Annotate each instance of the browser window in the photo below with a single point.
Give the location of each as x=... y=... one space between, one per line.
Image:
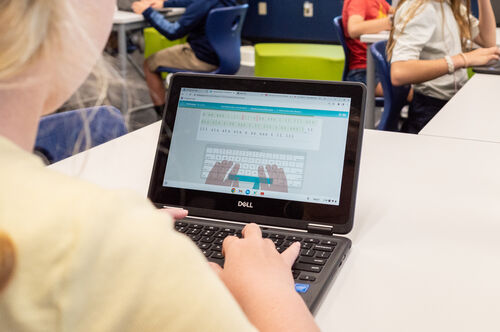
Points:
x=272 y=145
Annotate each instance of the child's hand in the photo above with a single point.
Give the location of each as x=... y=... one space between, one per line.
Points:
x=139 y=7
x=482 y=56
x=156 y=4
x=260 y=279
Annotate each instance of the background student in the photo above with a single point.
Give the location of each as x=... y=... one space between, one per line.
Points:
x=77 y=257
x=430 y=47
x=361 y=17
x=197 y=54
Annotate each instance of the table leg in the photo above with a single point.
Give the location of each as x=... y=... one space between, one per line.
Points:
x=122 y=53
x=370 y=93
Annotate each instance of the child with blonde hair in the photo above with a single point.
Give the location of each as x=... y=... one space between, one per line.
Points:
x=430 y=47
x=77 y=257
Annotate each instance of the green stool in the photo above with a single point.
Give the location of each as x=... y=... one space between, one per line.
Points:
x=302 y=61
x=155 y=41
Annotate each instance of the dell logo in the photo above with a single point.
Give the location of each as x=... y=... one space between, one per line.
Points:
x=245 y=204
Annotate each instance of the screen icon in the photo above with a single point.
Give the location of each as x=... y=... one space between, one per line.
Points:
x=247 y=191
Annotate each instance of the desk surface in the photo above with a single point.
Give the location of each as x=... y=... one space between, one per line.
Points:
x=371 y=38
x=123 y=17
x=425 y=253
x=473 y=113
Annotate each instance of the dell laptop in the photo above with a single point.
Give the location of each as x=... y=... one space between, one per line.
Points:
x=280 y=153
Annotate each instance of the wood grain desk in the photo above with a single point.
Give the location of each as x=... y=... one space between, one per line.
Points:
x=426 y=246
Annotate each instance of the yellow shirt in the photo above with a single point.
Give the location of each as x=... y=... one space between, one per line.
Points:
x=90 y=259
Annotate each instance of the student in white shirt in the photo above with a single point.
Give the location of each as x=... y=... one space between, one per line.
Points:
x=77 y=257
x=430 y=47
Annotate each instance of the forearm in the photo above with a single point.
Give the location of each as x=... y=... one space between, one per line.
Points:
x=170 y=30
x=356 y=29
x=487 y=24
x=418 y=71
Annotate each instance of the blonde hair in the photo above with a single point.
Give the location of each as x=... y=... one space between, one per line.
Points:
x=29 y=28
x=7 y=259
x=463 y=20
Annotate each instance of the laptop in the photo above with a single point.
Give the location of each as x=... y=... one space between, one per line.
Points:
x=280 y=153
x=492 y=68
x=495 y=4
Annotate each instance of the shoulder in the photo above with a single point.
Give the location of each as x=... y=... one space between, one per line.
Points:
x=417 y=13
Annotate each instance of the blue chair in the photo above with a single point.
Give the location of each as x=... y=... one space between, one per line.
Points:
x=62 y=134
x=395 y=96
x=339 y=28
x=223 y=29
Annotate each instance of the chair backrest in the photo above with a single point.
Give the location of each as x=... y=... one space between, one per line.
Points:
x=62 y=134
x=339 y=28
x=395 y=96
x=223 y=29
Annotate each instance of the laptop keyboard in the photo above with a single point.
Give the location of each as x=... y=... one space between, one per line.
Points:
x=314 y=252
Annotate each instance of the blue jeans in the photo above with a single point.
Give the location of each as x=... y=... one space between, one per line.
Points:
x=359 y=75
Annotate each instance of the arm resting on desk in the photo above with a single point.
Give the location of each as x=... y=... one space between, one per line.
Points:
x=170 y=30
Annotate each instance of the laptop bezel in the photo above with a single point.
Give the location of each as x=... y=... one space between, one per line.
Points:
x=265 y=211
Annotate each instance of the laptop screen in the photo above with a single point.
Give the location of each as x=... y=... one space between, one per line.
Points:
x=272 y=145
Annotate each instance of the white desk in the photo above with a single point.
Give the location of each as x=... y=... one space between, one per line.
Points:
x=426 y=246
x=473 y=113
x=370 y=76
x=127 y=21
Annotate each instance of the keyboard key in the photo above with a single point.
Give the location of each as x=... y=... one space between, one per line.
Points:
x=329 y=242
x=307 y=252
x=207 y=253
x=322 y=254
x=280 y=249
x=204 y=246
x=321 y=247
x=221 y=235
x=180 y=224
x=304 y=245
x=306 y=277
x=194 y=237
x=295 y=274
x=312 y=260
x=216 y=247
x=207 y=239
x=307 y=267
x=311 y=240
x=276 y=236
x=228 y=230
x=195 y=226
x=181 y=229
x=294 y=238
x=193 y=231
x=212 y=228
x=277 y=242
x=207 y=233
x=265 y=235
x=302 y=288
x=217 y=255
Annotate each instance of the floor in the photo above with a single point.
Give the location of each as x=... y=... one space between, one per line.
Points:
x=86 y=96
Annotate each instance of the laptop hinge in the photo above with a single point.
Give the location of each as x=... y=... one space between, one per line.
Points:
x=320 y=229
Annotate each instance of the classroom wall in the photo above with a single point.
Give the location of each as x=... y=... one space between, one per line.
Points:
x=285 y=21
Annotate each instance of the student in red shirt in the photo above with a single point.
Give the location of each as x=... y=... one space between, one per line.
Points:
x=361 y=17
